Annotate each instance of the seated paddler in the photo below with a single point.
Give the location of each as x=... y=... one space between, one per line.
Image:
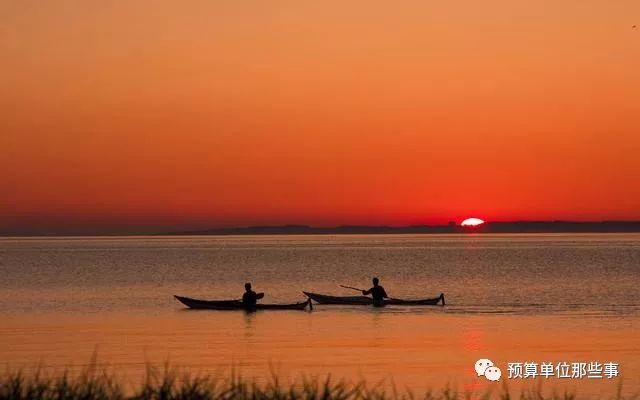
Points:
x=377 y=292
x=250 y=298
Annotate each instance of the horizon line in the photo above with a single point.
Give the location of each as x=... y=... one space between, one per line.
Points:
x=514 y=226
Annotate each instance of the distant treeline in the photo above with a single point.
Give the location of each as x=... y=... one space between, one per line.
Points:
x=490 y=227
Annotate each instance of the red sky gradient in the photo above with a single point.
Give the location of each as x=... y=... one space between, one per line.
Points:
x=146 y=115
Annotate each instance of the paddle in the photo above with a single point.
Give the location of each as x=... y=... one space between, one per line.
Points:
x=361 y=290
x=352 y=288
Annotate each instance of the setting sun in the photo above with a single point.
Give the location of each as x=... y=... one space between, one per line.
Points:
x=472 y=222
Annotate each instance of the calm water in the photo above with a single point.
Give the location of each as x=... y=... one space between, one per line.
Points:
x=511 y=298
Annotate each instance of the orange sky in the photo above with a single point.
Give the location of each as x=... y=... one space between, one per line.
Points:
x=122 y=115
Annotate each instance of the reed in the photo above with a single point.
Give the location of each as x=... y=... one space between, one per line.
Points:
x=169 y=384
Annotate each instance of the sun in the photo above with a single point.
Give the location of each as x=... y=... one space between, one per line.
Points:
x=472 y=222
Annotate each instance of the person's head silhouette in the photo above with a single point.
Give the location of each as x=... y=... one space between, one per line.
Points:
x=247 y=286
x=376 y=281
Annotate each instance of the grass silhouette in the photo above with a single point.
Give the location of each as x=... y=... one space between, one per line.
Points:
x=93 y=383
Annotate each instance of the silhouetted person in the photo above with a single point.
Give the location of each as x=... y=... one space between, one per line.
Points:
x=377 y=292
x=250 y=298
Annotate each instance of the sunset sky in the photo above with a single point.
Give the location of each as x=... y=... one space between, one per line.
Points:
x=152 y=115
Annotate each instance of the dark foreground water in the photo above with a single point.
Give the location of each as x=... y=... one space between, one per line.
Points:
x=510 y=298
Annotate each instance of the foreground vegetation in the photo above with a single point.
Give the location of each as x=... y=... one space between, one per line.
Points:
x=170 y=385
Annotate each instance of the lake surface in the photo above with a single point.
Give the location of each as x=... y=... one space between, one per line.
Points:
x=510 y=298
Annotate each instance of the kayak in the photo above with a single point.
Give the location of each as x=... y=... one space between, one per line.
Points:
x=237 y=305
x=365 y=301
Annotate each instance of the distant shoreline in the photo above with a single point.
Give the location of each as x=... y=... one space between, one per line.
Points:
x=490 y=227
x=451 y=228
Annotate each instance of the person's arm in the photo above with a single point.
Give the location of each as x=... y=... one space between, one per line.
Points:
x=366 y=292
x=259 y=296
x=384 y=294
